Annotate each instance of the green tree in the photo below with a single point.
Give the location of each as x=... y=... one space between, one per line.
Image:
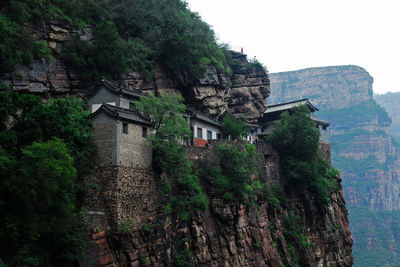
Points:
x=297 y=141
x=25 y=119
x=296 y=135
x=42 y=145
x=41 y=225
x=170 y=155
x=233 y=127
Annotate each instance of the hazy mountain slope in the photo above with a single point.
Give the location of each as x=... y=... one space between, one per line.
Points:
x=391 y=102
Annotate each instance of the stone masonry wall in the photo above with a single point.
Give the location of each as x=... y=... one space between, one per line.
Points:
x=100 y=200
x=138 y=196
x=121 y=195
x=133 y=149
x=104 y=142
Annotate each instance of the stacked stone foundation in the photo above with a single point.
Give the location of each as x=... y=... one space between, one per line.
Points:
x=121 y=195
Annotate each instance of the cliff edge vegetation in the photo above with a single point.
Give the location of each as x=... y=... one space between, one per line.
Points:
x=124 y=36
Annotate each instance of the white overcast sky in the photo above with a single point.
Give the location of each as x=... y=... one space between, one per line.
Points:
x=289 y=35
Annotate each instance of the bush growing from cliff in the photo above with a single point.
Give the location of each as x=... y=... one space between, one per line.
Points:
x=41 y=148
x=233 y=167
x=170 y=155
x=297 y=141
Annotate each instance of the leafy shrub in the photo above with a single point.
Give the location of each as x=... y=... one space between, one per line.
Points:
x=126 y=226
x=233 y=168
x=183 y=257
x=295 y=135
x=233 y=127
x=274 y=194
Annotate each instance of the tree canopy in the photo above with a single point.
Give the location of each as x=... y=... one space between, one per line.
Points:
x=296 y=135
x=44 y=147
x=233 y=127
x=297 y=141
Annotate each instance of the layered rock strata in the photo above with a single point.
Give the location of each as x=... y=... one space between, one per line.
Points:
x=334 y=87
x=242 y=94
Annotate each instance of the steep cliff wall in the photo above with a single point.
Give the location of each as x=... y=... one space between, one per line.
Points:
x=391 y=102
x=242 y=93
x=362 y=148
x=295 y=232
x=328 y=88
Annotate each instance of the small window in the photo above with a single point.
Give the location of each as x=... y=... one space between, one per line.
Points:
x=131 y=106
x=209 y=135
x=199 y=133
x=125 y=128
x=144 y=132
x=218 y=136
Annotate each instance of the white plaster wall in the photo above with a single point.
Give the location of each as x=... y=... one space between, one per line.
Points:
x=205 y=128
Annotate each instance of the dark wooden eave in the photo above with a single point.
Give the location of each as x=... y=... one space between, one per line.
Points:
x=122 y=114
x=116 y=89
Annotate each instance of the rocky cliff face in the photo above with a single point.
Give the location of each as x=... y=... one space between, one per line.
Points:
x=328 y=88
x=241 y=94
x=235 y=234
x=362 y=148
x=391 y=102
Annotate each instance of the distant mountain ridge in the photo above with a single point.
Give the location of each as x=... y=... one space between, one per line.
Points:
x=327 y=87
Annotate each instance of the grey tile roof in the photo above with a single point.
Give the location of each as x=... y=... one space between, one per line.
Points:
x=319 y=121
x=290 y=105
x=122 y=114
x=117 y=88
x=204 y=118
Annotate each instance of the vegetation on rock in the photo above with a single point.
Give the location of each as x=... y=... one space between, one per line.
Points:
x=129 y=35
x=17 y=45
x=234 y=128
x=169 y=155
x=234 y=168
x=297 y=141
x=42 y=146
x=355 y=115
x=385 y=243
